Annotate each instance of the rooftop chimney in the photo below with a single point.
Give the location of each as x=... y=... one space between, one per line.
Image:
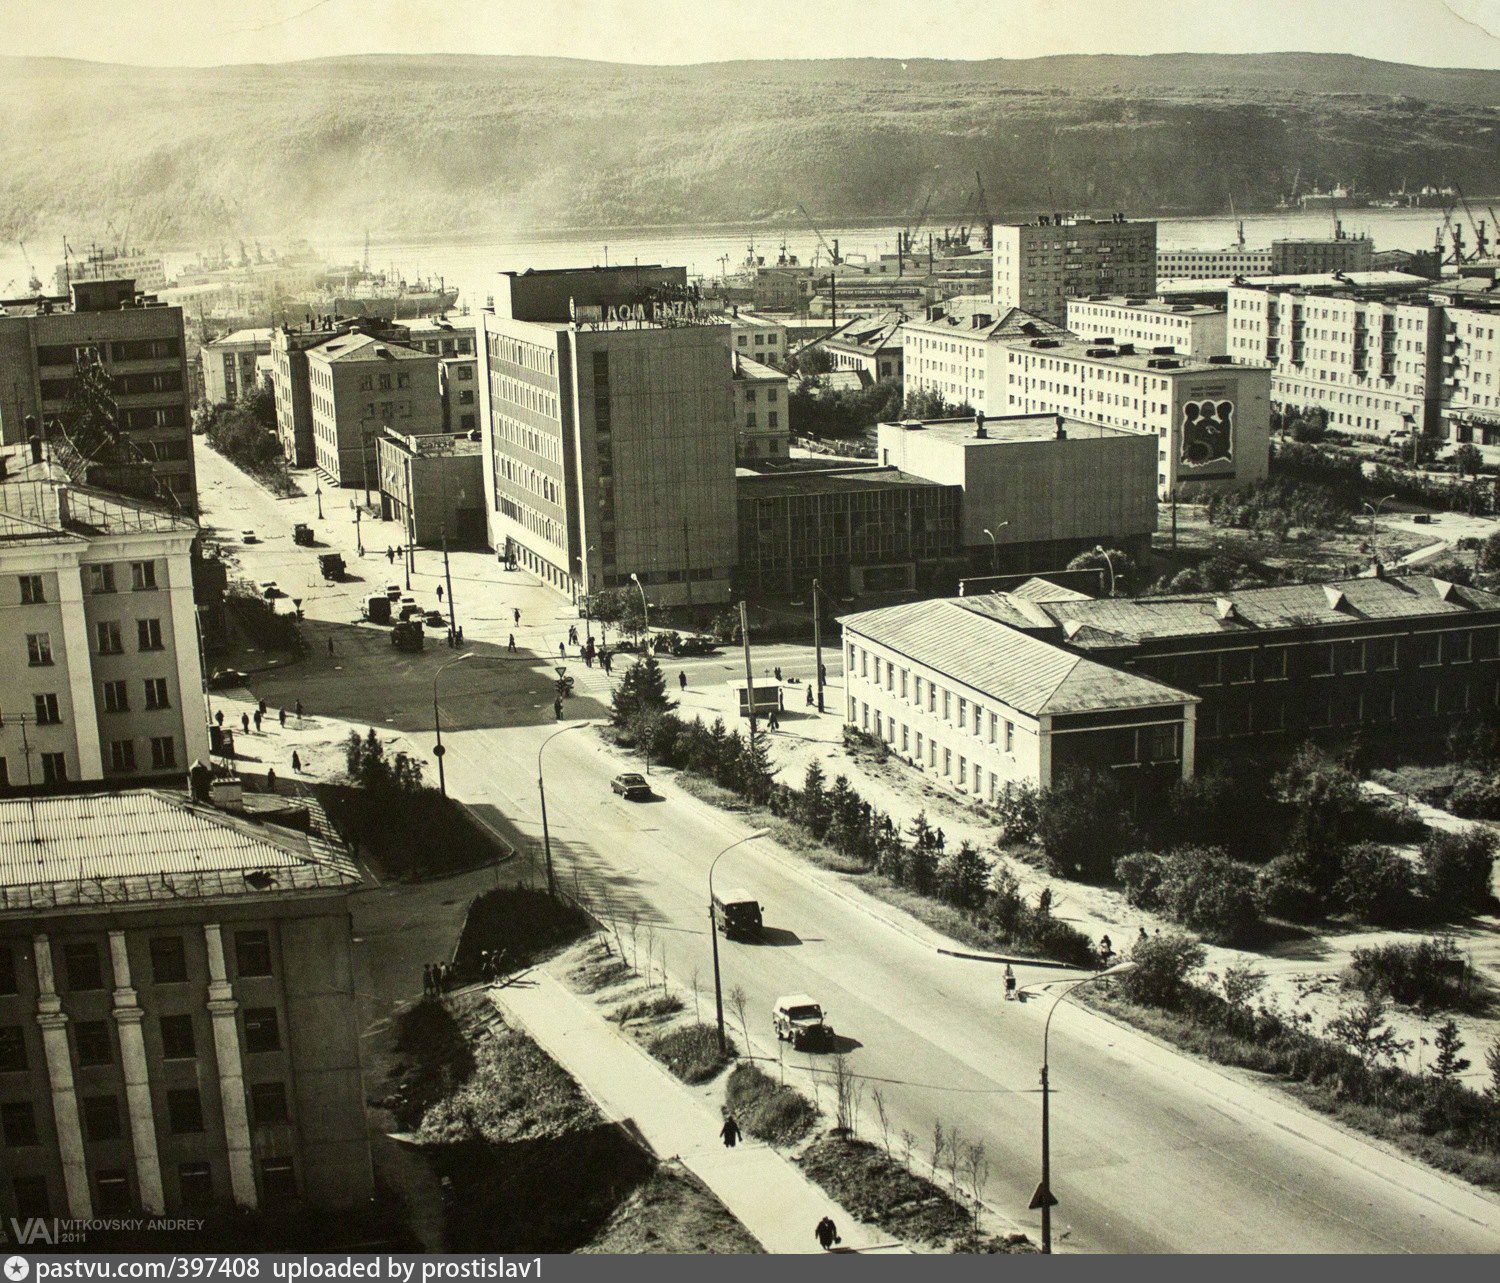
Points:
x=1062 y=432
x=979 y=429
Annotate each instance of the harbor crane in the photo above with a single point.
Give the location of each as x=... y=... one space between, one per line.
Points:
x=831 y=250
x=34 y=284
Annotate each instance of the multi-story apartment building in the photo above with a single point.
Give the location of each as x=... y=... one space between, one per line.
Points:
x=434 y=487
x=1211 y=419
x=1471 y=361
x=870 y=345
x=101 y=677
x=289 y=377
x=1368 y=351
x=178 y=1016
x=1305 y=255
x=458 y=390
x=1198 y=330
x=609 y=443
x=755 y=337
x=956 y=352
x=233 y=365
x=1037 y=489
x=1212 y=264
x=760 y=411
x=1039 y=266
x=140 y=345
x=359 y=386
x=445 y=336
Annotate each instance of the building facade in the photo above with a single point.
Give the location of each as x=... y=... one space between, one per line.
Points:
x=442 y=336
x=1301 y=255
x=870 y=345
x=458 y=390
x=755 y=337
x=140 y=344
x=760 y=411
x=956 y=352
x=1211 y=264
x=1039 y=266
x=178 y=1025
x=1198 y=330
x=433 y=486
x=1036 y=491
x=1211 y=419
x=232 y=366
x=102 y=677
x=359 y=387
x=290 y=383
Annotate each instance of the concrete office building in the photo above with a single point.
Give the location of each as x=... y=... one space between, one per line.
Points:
x=1039 y=266
x=1211 y=418
x=235 y=364
x=1365 y=349
x=434 y=487
x=1302 y=255
x=1198 y=330
x=1036 y=490
x=956 y=352
x=760 y=411
x=101 y=677
x=361 y=386
x=859 y=531
x=178 y=1024
x=606 y=406
x=140 y=344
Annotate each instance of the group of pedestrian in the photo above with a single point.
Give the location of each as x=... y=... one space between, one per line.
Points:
x=436 y=977
x=826 y=1232
x=572 y=634
x=491 y=963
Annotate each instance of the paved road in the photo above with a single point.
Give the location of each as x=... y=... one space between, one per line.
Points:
x=1151 y=1152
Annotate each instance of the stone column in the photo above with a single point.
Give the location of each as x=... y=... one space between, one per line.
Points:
x=1189 y=739
x=221 y=1009
x=128 y=1016
x=54 y=1027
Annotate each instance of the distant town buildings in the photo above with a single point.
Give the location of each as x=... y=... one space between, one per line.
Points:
x=1286 y=256
x=756 y=337
x=871 y=345
x=140 y=345
x=1039 y=266
x=148 y=271
x=606 y=408
x=178 y=1026
x=760 y=411
x=235 y=364
x=1197 y=330
x=1037 y=489
x=101 y=678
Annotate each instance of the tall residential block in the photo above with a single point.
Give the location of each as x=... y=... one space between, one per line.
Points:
x=1039 y=266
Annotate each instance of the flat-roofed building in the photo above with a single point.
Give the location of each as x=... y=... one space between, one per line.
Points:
x=1198 y=330
x=433 y=486
x=101 y=677
x=442 y=336
x=179 y=1023
x=1211 y=264
x=760 y=411
x=1039 y=266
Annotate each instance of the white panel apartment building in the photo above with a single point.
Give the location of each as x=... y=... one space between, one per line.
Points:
x=1211 y=264
x=1039 y=266
x=1373 y=362
x=1211 y=418
x=1193 y=329
x=958 y=353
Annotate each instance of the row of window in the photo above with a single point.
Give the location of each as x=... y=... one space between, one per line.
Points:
x=108 y=639
x=54 y=769
x=163 y=754
x=968 y=715
x=101 y=578
x=83 y=963
x=121 y=350
x=278 y=1185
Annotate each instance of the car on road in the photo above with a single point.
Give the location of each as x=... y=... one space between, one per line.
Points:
x=270 y=589
x=436 y=619
x=799 y=1020
x=228 y=679
x=632 y=786
x=249 y=536
x=737 y=915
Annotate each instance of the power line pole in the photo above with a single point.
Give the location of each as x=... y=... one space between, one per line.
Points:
x=818 y=643
x=749 y=674
x=447 y=574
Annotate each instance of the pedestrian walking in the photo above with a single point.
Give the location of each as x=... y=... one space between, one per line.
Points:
x=730 y=1132
x=258 y=716
x=440 y=594
x=296 y=763
x=270 y=779
x=1142 y=936
x=517 y=613
x=390 y=554
x=1106 y=950
x=781 y=699
x=827 y=1233
x=822 y=674
x=562 y=650
x=460 y=634
x=557 y=708
x=245 y=722
x=219 y=718
x=809 y=697
x=427 y=980
x=299 y=710
x=1010 y=984
x=1044 y=901
x=281 y=717
x=261 y=708
x=330 y=645
x=511 y=644
x=773 y=722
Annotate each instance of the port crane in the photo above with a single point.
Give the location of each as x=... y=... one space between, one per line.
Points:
x=831 y=250
x=906 y=240
x=34 y=284
x=982 y=214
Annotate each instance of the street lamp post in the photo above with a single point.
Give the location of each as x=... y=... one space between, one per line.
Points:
x=645 y=608
x=995 y=547
x=1108 y=561
x=437 y=722
x=1374 y=510
x=542 y=795
x=318 y=495
x=713 y=934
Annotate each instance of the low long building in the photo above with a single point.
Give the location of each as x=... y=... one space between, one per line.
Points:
x=1197 y=330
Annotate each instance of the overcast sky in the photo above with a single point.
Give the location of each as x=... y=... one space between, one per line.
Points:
x=1455 y=33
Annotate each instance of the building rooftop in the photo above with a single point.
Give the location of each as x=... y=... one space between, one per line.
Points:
x=431 y=444
x=1120 y=621
x=1030 y=675
x=868 y=334
x=976 y=321
x=1008 y=429
x=430 y=326
x=48 y=509
x=1156 y=305
x=752 y=370
x=758 y=485
x=242 y=338
x=95 y=850
x=1130 y=356
x=1336 y=281
x=364 y=347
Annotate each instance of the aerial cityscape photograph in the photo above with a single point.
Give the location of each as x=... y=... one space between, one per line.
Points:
x=612 y=612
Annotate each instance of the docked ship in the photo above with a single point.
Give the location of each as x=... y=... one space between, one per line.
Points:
x=111 y=263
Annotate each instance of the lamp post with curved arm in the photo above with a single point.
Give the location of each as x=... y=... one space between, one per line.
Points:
x=995 y=547
x=438 y=750
x=645 y=607
x=713 y=933
x=1374 y=510
x=1099 y=550
x=542 y=795
x=1043 y=1195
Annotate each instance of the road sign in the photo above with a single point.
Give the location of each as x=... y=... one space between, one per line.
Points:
x=1042 y=1198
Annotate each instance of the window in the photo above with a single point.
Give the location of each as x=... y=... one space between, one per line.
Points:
x=163 y=752
x=1010 y=737
x=184 y=1111
x=773 y=418
x=403 y=380
x=195 y=1183
x=156 y=693
x=31 y=1197
x=278 y=1180
x=142 y=575
x=947 y=706
x=102 y=578
x=12 y=1048
x=1237 y=666
x=39 y=650
x=252 y=953
x=1320 y=660
x=963 y=713
x=262 y=1033
x=268 y=1104
x=91 y=1043
x=33 y=591
x=122 y=755
x=1161 y=744
x=116 y=697
x=148 y=633
x=18 y=1123
x=177 y=1041
x=1380 y=653
x=7 y=971
x=1429 y=649
x=366 y=383
x=947 y=762
x=46 y=710
x=107 y=637
x=82 y=966
x=101 y=1117
x=112 y=1193
x=168 y=960
x=1459 y=647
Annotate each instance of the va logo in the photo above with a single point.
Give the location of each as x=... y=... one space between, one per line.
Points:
x=34 y=1230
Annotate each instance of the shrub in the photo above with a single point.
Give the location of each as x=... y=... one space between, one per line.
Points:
x=691 y=1052
x=662 y=1004
x=1200 y=887
x=1378 y=884
x=1162 y=966
x=1429 y=974
x=767 y=1110
x=1018 y=814
x=1141 y=874
x=1476 y=795
x=1083 y=824
x=1456 y=870
x=1286 y=889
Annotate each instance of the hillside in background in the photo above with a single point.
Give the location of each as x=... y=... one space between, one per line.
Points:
x=450 y=144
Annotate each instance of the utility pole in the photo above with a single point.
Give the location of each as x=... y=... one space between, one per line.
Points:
x=749 y=673
x=817 y=644
x=447 y=575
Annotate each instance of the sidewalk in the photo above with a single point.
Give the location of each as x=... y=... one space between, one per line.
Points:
x=769 y=1195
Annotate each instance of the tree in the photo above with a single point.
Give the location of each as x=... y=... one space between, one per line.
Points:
x=1162 y=966
x=1329 y=810
x=1378 y=884
x=964 y=876
x=1083 y=824
x=641 y=693
x=1489 y=550
x=1115 y=565
x=813 y=811
x=1447 y=1063
x=1457 y=868
x=1361 y=1028
x=1467 y=460
x=925 y=403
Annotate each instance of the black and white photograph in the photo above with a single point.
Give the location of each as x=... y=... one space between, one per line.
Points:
x=612 y=612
